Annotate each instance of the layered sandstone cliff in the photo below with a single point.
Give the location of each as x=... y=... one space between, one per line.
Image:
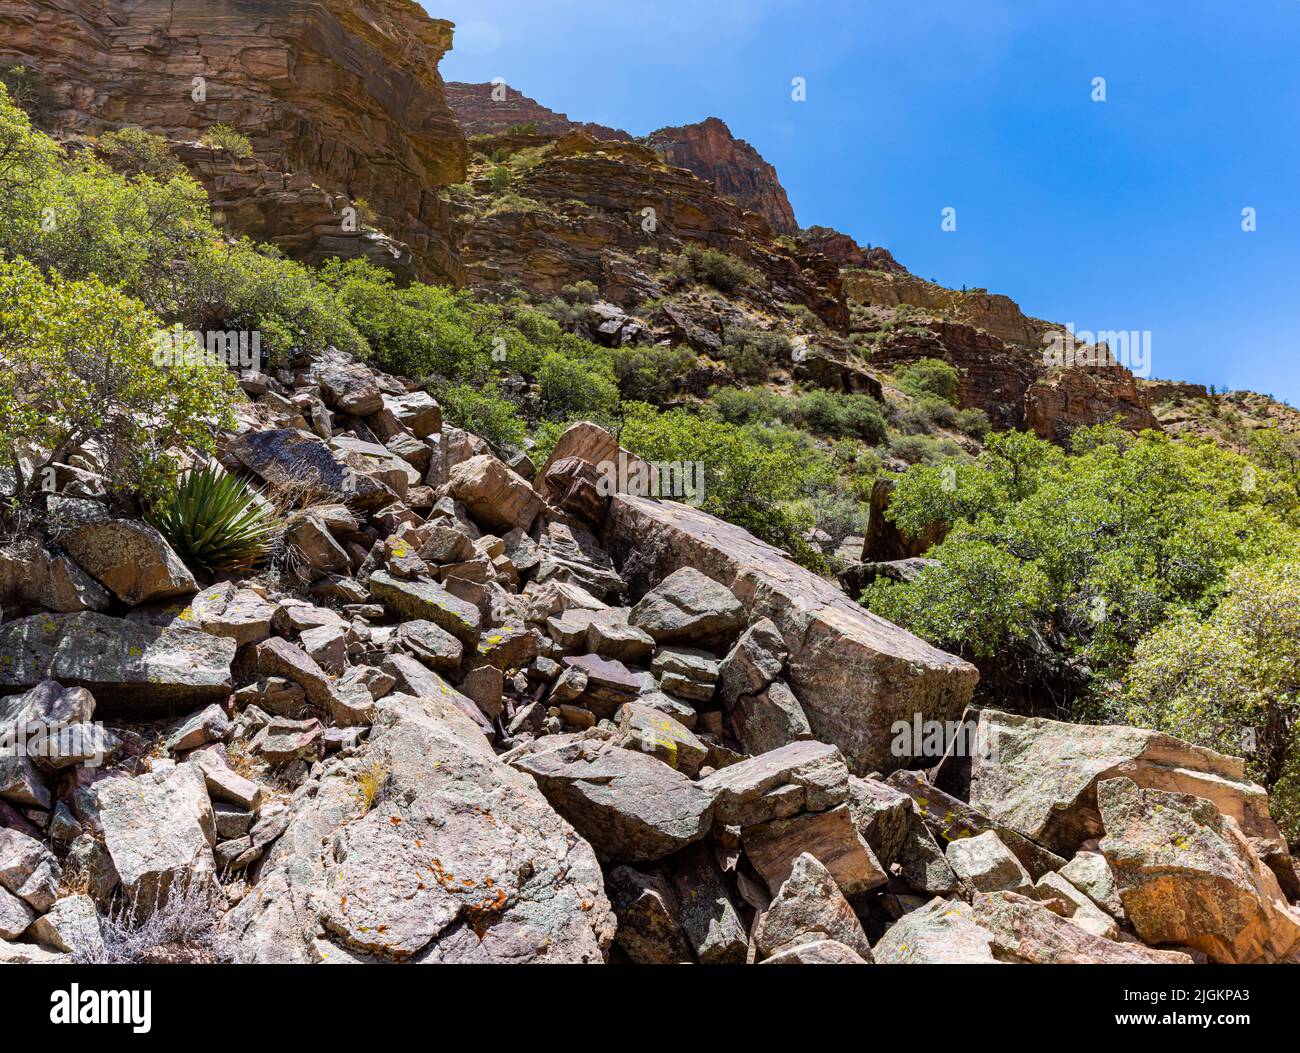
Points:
x=343 y=94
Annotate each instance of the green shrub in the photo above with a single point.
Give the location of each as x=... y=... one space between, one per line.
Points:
x=649 y=373
x=133 y=151
x=81 y=367
x=27 y=90
x=754 y=476
x=748 y=405
x=834 y=413
x=713 y=267
x=576 y=387
x=1122 y=533
x=499 y=179
x=929 y=376
x=1231 y=681
x=973 y=422
x=215 y=522
x=751 y=353
x=486 y=412
x=224 y=137
x=156 y=242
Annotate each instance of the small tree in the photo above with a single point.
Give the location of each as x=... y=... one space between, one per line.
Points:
x=79 y=365
x=1232 y=681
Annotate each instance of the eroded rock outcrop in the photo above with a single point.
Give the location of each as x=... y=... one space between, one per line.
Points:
x=348 y=94
x=853 y=673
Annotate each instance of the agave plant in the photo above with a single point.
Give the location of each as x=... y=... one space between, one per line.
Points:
x=215 y=521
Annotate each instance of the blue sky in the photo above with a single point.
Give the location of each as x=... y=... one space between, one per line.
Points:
x=1124 y=214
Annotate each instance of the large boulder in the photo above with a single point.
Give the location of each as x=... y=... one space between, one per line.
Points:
x=127 y=665
x=449 y=856
x=854 y=673
x=631 y=807
x=427 y=601
x=496 y=497
x=809 y=776
x=809 y=907
x=688 y=606
x=1186 y=875
x=1039 y=777
x=128 y=557
x=159 y=829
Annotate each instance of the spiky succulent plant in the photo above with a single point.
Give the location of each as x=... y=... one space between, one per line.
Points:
x=215 y=521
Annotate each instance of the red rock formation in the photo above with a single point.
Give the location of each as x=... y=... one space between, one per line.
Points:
x=733 y=166
x=345 y=91
x=846 y=252
x=481 y=114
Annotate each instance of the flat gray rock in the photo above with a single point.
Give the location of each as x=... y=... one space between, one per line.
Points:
x=631 y=807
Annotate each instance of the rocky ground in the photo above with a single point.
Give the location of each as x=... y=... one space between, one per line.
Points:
x=489 y=713
x=480 y=709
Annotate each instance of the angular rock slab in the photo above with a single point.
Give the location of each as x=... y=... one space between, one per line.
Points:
x=809 y=907
x=125 y=664
x=129 y=558
x=460 y=859
x=631 y=807
x=159 y=829
x=430 y=602
x=854 y=673
x=1187 y=875
x=1040 y=777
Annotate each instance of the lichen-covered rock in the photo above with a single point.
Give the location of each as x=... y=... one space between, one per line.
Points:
x=455 y=857
x=853 y=673
x=1040 y=777
x=159 y=830
x=690 y=606
x=631 y=807
x=128 y=557
x=985 y=864
x=496 y=497
x=649 y=918
x=1187 y=875
x=125 y=664
x=778 y=784
x=430 y=602
x=808 y=907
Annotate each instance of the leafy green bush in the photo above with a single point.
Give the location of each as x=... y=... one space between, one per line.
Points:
x=972 y=422
x=486 y=412
x=133 y=151
x=80 y=366
x=751 y=474
x=650 y=373
x=835 y=413
x=748 y=405
x=929 y=376
x=215 y=521
x=224 y=137
x=751 y=353
x=155 y=241
x=713 y=267
x=28 y=91
x=1231 y=681
x=1121 y=532
x=500 y=179
x=576 y=387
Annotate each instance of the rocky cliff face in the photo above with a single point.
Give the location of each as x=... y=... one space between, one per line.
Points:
x=708 y=149
x=481 y=112
x=734 y=167
x=605 y=211
x=345 y=95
